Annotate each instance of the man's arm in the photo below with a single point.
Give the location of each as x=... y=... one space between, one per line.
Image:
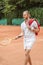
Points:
x=19 y=36
x=34 y=28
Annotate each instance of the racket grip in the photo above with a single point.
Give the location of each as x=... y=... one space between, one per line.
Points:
x=13 y=38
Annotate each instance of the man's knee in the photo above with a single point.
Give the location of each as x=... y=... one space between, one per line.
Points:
x=27 y=52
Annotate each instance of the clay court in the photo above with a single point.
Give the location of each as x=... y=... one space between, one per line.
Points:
x=13 y=53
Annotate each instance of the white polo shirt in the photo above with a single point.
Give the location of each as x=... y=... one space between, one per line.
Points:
x=28 y=34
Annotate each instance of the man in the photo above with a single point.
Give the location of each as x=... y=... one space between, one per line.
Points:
x=29 y=35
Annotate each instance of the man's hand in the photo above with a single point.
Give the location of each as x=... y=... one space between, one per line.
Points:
x=16 y=38
x=19 y=36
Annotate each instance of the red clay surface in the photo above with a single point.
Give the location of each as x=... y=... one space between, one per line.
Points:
x=13 y=54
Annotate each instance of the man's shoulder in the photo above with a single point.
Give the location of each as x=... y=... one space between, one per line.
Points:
x=23 y=23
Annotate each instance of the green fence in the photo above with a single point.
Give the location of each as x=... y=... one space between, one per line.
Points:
x=16 y=21
x=3 y=22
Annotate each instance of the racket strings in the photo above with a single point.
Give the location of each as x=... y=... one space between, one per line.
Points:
x=6 y=41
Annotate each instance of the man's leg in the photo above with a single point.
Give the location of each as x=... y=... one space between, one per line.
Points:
x=27 y=57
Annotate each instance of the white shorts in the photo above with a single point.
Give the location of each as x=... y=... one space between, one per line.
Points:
x=28 y=44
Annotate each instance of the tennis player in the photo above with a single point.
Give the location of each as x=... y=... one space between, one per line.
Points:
x=29 y=35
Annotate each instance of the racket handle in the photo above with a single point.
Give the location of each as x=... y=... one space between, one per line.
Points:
x=16 y=37
x=13 y=38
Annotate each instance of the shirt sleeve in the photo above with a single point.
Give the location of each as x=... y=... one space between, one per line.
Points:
x=34 y=24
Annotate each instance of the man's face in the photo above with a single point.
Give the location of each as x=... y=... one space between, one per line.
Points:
x=25 y=16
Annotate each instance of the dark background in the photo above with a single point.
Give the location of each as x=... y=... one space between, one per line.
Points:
x=11 y=9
